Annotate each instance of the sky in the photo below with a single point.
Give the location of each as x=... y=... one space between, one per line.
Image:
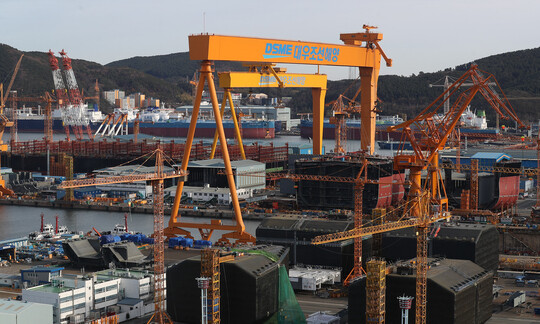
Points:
x=419 y=35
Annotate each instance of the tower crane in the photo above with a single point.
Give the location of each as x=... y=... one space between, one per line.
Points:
x=428 y=203
x=5 y=122
x=157 y=178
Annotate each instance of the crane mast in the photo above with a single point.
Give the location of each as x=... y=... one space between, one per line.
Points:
x=59 y=86
x=73 y=88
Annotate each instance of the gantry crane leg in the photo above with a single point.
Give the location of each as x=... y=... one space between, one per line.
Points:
x=227 y=96
x=239 y=233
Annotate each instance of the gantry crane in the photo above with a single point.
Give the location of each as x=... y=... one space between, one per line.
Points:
x=360 y=50
x=428 y=203
x=157 y=178
x=76 y=98
x=209 y=48
x=261 y=76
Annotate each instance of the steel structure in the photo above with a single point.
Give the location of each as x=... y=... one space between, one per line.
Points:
x=105 y=149
x=360 y=50
x=157 y=178
x=176 y=227
x=210 y=260
x=113 y=125
x=262 y=76
x=375 y=291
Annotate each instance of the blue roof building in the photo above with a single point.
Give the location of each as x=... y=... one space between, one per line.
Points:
x=39 y=275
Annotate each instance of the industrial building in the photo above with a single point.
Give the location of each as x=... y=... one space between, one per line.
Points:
x=296 y=233
x=222 y=196
x=79 y=298
x=40 y=275
x=248 y=285
x=88 y=252
x=20 y=312
x=478 y=243
x=248 y=174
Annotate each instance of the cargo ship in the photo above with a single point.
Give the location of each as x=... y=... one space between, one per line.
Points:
x=353 y=128
x=207 y=127
x=472 y=126
x=155 y=123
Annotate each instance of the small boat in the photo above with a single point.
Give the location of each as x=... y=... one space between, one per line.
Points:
x=47 y=231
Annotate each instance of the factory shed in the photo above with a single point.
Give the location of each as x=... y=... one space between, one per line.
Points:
x=490 y=158
x=19 y=312
x=478 y=243
x=458 y=291
x=207 y=172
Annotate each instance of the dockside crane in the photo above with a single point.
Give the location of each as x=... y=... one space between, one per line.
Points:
x=76 y=99
x=427 y=203
x=156 y=178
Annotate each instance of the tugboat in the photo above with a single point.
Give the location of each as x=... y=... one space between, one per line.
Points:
x=47 y=231
x=120 y=229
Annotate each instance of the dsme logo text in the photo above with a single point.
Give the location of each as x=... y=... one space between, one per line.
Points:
x=301 y=52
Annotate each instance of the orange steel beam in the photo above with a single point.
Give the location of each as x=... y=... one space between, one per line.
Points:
x=227 y=96
x=267 y=77
x=175 y=227
x=360 y=50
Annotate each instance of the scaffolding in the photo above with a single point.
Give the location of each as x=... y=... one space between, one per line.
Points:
x=375 y=291
x=210 y=260
x=62 y=165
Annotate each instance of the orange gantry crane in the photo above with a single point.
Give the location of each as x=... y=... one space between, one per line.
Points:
x=360 y=50
x=428 y=203
x=157 y=178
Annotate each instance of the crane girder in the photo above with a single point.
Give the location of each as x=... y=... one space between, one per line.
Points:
x=369 y=230
x=251 y=49
x=123 y=179
x=266 y=80
x=528 y=172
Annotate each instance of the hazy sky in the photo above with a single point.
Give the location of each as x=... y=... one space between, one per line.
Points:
x=419 y=35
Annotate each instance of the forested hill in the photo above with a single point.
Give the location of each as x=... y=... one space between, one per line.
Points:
x=167 y=77
x=172 y=67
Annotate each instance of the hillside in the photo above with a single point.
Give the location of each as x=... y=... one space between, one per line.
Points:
x=171 y=67
x=167 y=77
